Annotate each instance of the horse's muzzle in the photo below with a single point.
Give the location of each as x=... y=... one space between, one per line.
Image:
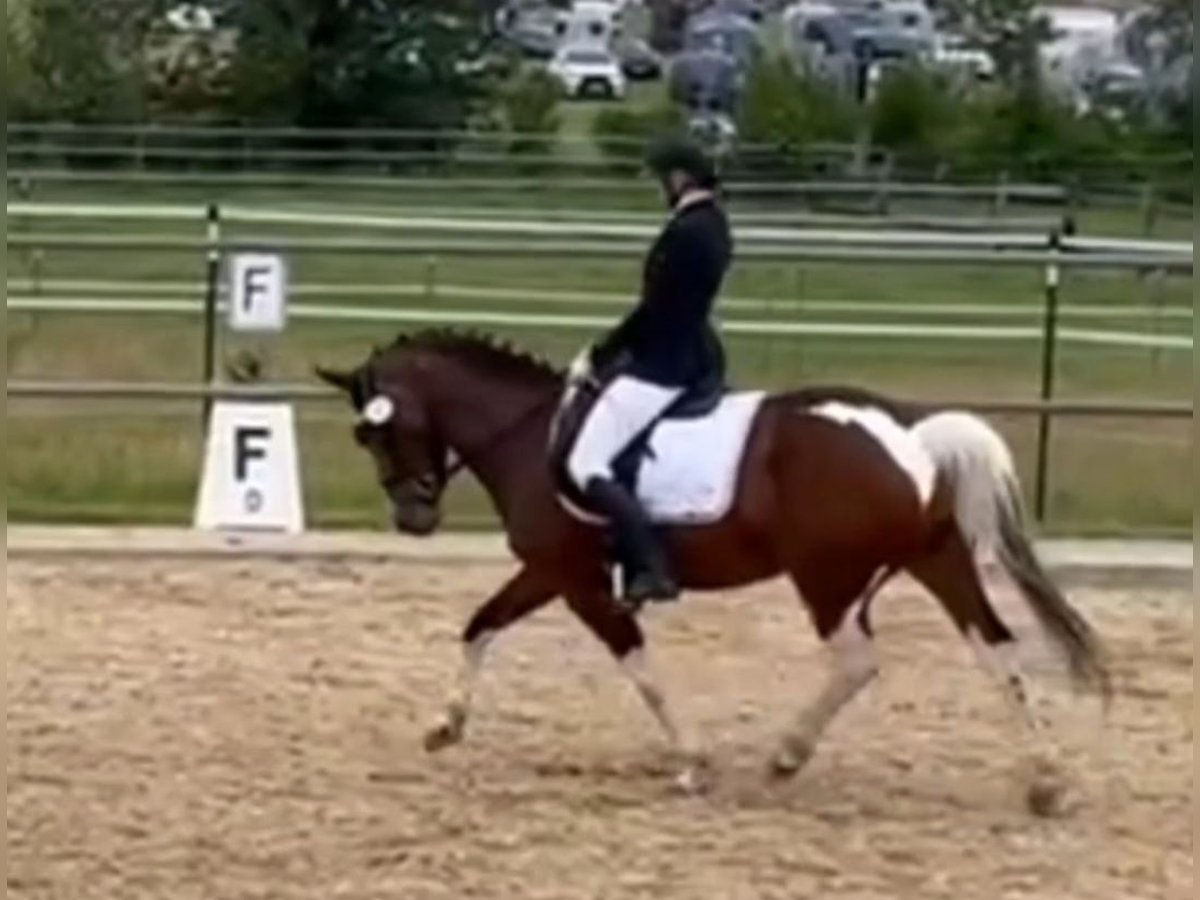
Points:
x=416 y=518
x=415 y=510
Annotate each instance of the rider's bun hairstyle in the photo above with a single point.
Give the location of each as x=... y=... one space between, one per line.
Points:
x=679 y=154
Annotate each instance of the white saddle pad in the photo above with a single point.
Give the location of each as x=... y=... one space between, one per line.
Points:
x=691 y=474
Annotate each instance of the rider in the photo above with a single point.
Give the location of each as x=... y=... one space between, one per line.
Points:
x=661 y=350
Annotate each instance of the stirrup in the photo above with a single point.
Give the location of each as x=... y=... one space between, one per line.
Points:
x=668 y=589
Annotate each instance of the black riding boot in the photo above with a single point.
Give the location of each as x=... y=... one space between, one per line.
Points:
x=647 y=576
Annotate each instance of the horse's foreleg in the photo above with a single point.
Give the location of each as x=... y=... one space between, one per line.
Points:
x=524 y=593
x=620 y=632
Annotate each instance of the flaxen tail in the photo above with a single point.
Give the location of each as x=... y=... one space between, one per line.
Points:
x=989 y=512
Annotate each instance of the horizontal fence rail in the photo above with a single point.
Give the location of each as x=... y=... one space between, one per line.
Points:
x=175 y=130
x=570 y=322
x=144 y=243
x=143 y=140
x=1129 y=252
x=114 y=390
x=51 y=294
x=870 y=196
x=995 y=195
x=367 y=216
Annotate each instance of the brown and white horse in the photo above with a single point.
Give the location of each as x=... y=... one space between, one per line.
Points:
x=838 y=489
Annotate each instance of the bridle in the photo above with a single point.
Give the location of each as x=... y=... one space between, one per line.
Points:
x=428 y=486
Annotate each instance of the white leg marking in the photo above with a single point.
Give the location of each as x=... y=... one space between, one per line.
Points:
x=1000 y=661
x=1046 y=788
x=637 y=667
x=468 y=674
x=449 y=728
x=852 y=667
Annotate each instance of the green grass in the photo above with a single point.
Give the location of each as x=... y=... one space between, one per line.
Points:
x=119 y=462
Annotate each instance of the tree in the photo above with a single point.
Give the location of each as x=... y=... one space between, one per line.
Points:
x=18 y=75
x=351 y=63
x=788 y=109
x=81 y=61
x=1030 y=135
x=528 y=106
x=624 y=133
x=913 y=111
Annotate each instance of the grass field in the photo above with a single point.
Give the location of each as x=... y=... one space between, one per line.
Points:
x=70 y=461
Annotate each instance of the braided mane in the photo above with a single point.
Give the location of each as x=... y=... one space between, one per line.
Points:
x=482 y=350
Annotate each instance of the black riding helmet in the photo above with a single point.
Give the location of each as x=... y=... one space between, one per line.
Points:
x=677 y=154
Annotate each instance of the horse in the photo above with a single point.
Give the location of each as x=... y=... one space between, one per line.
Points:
x=836 y=488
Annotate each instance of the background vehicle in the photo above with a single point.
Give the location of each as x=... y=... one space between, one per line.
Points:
x=639 y=61
x=588 y=72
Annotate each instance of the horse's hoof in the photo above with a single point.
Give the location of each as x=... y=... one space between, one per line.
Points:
x=1045 y=798
x=694 y=781
x=440 y=737
x=790 y=759
x=1048 y=795
x=695 y=775
x=445 y=734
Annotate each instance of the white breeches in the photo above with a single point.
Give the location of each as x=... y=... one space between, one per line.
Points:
x=620 y=414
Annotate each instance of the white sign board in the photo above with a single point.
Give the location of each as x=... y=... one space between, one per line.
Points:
x=251 y=477
x=257 y=292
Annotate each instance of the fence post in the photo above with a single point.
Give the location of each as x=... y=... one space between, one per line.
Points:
x=1149 y=206
x=1155 y=286
x=1049 y=346
x=1000 y=199
x=883 y=193
x=431 y=278
x=211 y=275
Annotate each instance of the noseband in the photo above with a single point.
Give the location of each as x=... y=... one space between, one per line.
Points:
x=376 y=409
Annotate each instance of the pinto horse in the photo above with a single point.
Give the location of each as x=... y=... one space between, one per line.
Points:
x=838 y=489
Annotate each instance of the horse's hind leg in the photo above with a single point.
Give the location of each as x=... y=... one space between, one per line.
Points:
x=620 y=632
x=523 y=594
x=950 y=574
x=840 y=608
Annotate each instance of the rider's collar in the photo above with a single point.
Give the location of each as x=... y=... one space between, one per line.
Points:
x=691 y=198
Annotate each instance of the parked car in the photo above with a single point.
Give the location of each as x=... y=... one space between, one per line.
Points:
x=721 y=32
x=953 y=51
x=707 y=80
x=588 y=72
x=638 y=59
x=534 y=42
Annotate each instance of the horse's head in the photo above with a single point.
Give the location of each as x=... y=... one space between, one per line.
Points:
x=435 y=400
x=393 y=424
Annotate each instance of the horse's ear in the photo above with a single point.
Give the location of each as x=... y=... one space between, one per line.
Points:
x=343 y=381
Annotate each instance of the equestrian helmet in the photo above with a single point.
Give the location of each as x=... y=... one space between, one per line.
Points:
x=679 y=154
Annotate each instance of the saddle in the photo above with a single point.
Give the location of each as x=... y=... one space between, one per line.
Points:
x=697 y=402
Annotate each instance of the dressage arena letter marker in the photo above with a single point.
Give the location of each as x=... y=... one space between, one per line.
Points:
x=251 y=477
x=258 y=292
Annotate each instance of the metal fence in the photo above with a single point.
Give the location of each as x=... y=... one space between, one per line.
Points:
x=478 y=235
x=238 y=144
x=1050 y=253
x=988 y=205
x=865 y=178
